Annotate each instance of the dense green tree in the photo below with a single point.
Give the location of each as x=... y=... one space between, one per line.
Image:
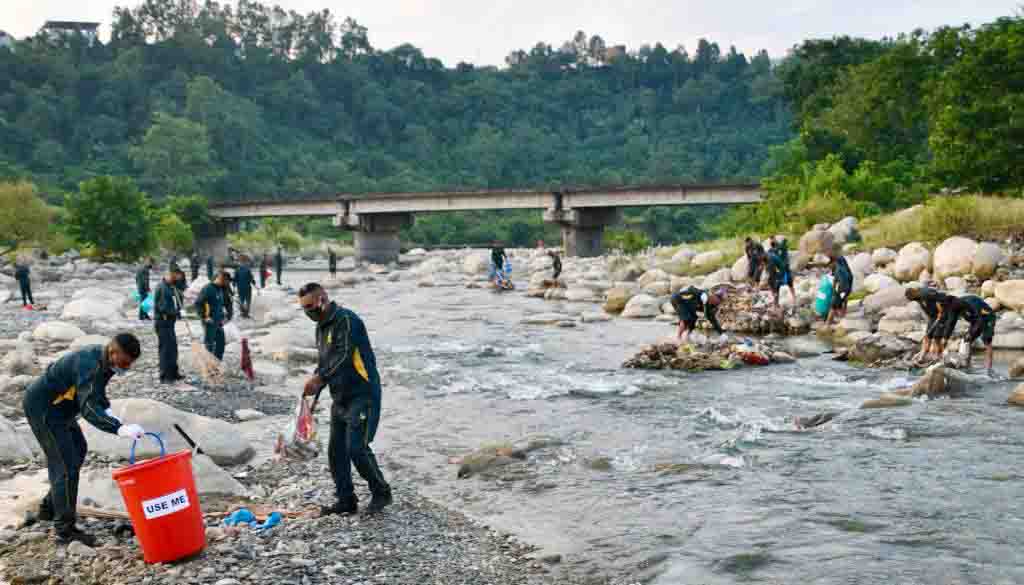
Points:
x=174 y=234
x=24 y=217
x=175 y=155
x=112 y=216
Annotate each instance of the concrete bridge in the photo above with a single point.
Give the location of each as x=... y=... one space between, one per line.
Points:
x=377 y=218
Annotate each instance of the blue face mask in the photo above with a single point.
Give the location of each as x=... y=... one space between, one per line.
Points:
x=119 y=371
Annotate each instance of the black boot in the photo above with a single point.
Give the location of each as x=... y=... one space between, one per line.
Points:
x=380 y=500
x=342 y=507
x=73 y=534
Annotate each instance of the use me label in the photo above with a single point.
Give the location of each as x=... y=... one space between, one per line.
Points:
x=165 y=505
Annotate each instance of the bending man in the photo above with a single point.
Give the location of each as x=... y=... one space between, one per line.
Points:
x=688 y=303
x=980 y=317
x=348 y=366
x=73 y=386
x=755 y=261
x=931 y=302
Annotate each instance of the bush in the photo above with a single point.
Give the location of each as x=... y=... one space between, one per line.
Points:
x=627 y=241
x=113 y=216
x=24 y=218
x=174 y=234
x=943 y=217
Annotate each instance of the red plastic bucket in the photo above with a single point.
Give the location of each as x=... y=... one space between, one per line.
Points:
x=160 y=495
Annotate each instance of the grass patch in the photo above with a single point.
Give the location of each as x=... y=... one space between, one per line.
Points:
x=981 y=217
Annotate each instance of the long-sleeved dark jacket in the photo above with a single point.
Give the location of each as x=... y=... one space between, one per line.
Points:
x=74 y=385
x=690 y=301
x=278 y=262
x=843 y=275
x=142 y=281
x=167 y=302
x=244 y=280
x=22 y=273
x=347 y=362
x=213 y=304
x=930 y=301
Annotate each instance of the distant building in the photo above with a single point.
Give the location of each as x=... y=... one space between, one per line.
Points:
x=613 y=53
x=6 y=41
x=58 y=31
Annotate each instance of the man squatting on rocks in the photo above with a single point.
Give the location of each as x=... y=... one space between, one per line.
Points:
x=979 y=316
x=348 y=366
x=930 y=301
x=214 y=306
x=167 y=303
x=74 y=385
x=690 y=301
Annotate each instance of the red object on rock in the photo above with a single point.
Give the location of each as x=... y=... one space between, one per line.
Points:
x=247 y=361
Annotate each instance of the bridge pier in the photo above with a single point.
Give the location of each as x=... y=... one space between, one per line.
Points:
x=213 y=240
x=376 y=235
x=583 y=229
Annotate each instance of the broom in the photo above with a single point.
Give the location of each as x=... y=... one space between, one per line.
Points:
x=210 y=368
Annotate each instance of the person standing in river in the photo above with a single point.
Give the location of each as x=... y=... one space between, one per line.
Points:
x=278 y=265
x=244 y=283
x=556 y=264
x=332 y=263
x=930 y=301
x=981 y=320
x=22 y=273
x=348 y=366
x=842 y=280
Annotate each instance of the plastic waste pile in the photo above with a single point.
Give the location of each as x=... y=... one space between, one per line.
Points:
x=713 y=356
x=747 y=311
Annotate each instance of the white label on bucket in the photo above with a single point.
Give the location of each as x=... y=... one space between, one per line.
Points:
x=165 y=505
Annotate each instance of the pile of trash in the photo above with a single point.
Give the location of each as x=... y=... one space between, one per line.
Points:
x=750 y=312
x=717 y=356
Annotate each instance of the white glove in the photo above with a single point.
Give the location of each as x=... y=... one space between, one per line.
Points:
x=131 y=432
x=110 y=413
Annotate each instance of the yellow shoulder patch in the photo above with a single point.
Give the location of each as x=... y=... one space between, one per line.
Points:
x=69 y=395
x=357 y=363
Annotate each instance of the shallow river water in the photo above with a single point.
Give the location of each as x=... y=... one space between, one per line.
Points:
x=919 y=495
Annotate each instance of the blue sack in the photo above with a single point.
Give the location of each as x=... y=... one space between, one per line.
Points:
x=147 y=305
x=823 y=300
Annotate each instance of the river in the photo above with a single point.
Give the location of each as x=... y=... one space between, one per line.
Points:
x=919 y=495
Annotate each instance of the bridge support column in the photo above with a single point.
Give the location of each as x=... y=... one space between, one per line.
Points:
x=583 y=229
x=376 y=235
x=213 y=240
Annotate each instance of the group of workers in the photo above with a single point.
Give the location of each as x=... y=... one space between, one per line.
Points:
x=76 y=386
x=944 y=311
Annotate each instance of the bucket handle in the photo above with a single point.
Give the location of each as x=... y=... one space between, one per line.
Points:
x=163 y=450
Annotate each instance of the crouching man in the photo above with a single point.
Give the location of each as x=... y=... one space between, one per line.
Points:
x=74 y=385
x=348 y=366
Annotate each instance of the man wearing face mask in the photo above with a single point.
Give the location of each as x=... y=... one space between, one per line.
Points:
x=167 y=302
x=142 y=286
x=348 y=366
x=73 y=386
x=213 y=306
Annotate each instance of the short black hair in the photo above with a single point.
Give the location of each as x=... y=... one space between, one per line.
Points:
x=129 y=344
x=309 y=288
x=225 y=274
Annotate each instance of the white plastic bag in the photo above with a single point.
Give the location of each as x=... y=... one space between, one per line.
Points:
x=231 y=333
x=964 y=349
x=299 y=440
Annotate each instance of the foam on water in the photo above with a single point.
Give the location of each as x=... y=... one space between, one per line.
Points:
x=890 y=434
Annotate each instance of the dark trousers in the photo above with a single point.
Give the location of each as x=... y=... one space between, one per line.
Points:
x=244 y=301
x=263 y=279
x=277 y=274
x=353 y=426
x=213 y=339
x=26 y=292
x=167 y=349
x=195 y=272
x=64 y=446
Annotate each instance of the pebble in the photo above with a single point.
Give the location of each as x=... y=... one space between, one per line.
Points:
x=81 y=550
x=228 y=582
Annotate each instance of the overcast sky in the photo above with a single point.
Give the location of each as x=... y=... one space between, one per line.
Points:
x=484 y=31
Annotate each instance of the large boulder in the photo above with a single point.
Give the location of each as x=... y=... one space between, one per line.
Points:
x=862 y=263
x=880 y=347
x=617 y=299
x=545 y=319
x=939 y=380
x=657 y=289
x=816 y=242
x=987 y=258
x=708 y=259
x=878 y=281
x=845 y=231
x=218 y=439
x=723 y=276
x=893 y=296
x=642 y=307
x=477 y=263
x=913 y=259
x=19 y=362
x=1011 y=294
x=1009 y=332
x=954 y=257
x=883 y=257
x=284 y=339
x=656 y=275
x=57 y=331
x=13 y=445
x=91 y=309
x=740 y=269
x=583 y=294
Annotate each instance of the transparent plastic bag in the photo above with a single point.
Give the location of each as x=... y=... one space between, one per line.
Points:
x=231 y=333
x=299 y=440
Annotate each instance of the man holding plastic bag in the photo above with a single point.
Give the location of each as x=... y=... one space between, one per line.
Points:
x=73 y=386
x=348 y=366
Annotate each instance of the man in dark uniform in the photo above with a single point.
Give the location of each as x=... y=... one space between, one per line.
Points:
x=167 y=302
x=842 y=282
x=980 y=317
x=173 y=264
x=930 y=301
x=348 y=366
x=142 y=286
x=278 y=264
x=73 y=386
x=690 y=301
x=264 y=267
x=214 y=307
x=244 y=282
x=22 y=274
x=209 y=267
x=332 y=263
x=755 y=261
x=193 y=263
x=556 y=264
x=779 y=274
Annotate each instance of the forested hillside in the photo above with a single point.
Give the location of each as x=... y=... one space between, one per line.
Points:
x=241 y=100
